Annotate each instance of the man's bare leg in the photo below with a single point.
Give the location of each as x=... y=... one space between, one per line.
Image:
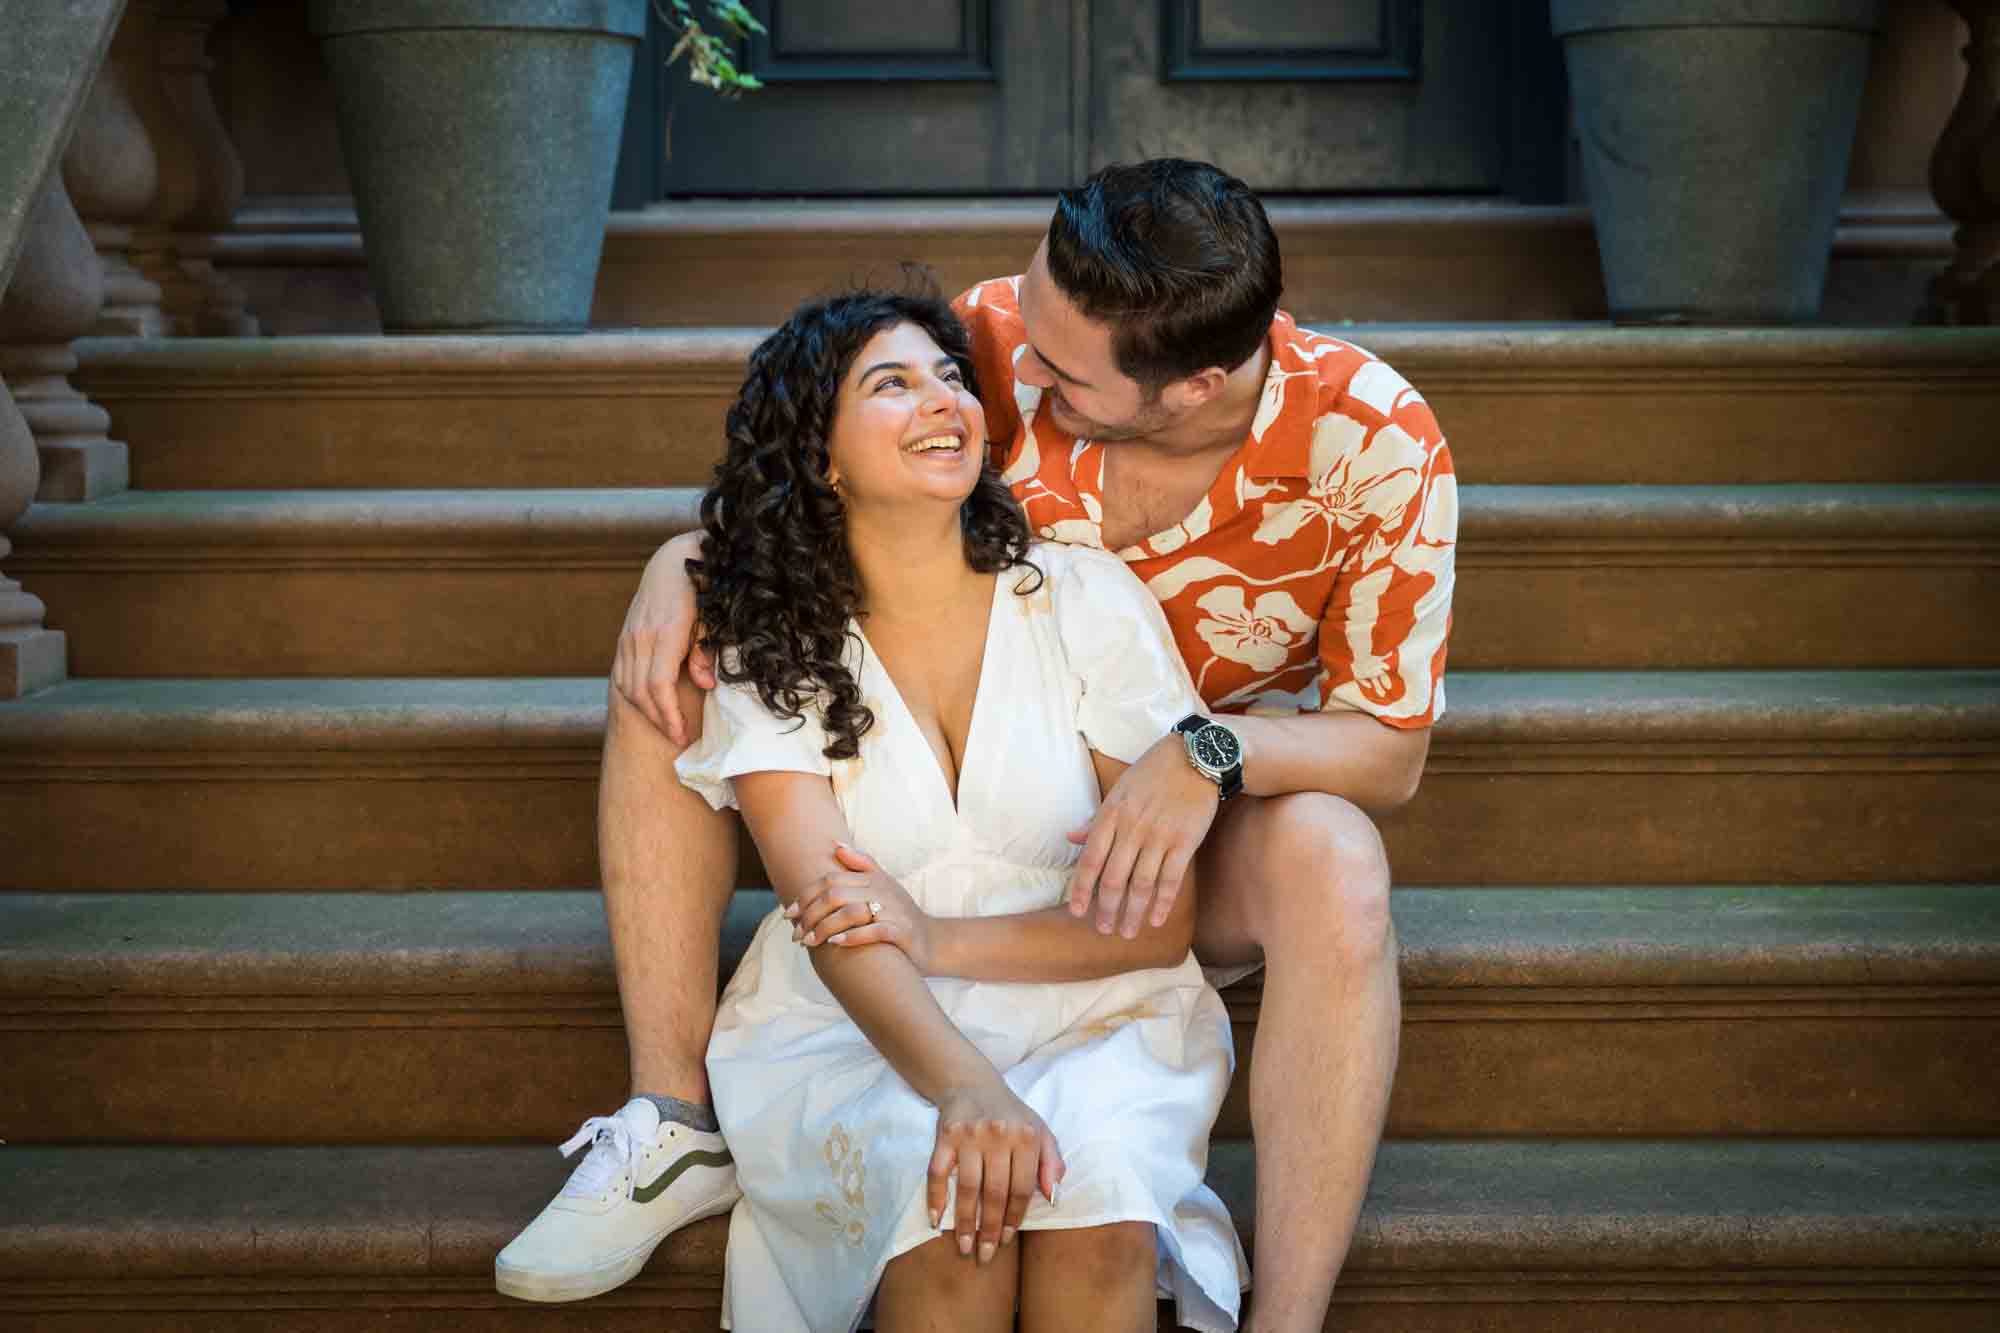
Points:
x=1302 y=881
x=669 y=867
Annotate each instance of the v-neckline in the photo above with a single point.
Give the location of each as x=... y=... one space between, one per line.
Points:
x=953 y=798
x=1220 y=493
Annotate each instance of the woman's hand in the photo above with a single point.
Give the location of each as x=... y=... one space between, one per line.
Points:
x=658 y=639
x=1000 y=1152
x=838 y=909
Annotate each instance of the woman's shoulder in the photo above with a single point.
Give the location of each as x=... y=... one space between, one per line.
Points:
x=1084 y=572
x=1067 y=559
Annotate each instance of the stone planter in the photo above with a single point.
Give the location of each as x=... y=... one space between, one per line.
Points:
x=481 y=137
x=1715 y=138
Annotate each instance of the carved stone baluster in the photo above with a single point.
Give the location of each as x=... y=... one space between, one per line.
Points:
x=179 y=187
x=1983 y=54
x=1965 y=178
x=113 y=175
x=53 y=299
x=31 y=656
x=198 y=299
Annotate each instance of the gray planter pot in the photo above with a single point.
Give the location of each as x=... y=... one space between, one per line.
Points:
x=1715 y=138
x=481 y=137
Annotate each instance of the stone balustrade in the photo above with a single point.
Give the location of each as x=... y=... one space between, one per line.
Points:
x=56 y=297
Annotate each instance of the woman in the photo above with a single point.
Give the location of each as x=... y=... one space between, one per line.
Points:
x=939 y=1087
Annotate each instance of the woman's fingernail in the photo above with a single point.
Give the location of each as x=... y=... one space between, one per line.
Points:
x=986 y=1251
x=935 y=1217
x=812 y=937
x=1006 y=1235
x=791 y=909
x=1052 y=1193
x=965 y=1246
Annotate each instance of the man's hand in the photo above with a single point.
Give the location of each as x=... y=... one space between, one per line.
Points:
x=1141 y=841
x=658 y=639
x=835 y=910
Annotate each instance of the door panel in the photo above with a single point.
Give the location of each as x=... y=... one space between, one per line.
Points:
x=1027 y=96
x=1373 y=95
x=959 y=96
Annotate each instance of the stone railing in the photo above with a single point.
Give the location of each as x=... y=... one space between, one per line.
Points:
x=48 y=54
x=117 y=241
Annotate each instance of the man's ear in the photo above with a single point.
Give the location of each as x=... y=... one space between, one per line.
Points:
x=1183 y=395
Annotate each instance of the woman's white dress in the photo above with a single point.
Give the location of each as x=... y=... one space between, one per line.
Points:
x=831 y=1145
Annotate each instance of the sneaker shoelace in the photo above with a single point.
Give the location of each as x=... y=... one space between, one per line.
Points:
x=613 y=1146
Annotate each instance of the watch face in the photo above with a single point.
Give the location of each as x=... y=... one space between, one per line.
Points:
x=1217 y=747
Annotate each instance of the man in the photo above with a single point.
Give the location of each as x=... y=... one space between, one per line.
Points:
x=1291 y=502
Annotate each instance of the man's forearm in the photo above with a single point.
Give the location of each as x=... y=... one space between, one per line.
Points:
x=1052 y=946
x=1374 y=765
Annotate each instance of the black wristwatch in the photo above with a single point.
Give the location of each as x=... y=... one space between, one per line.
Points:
x=1214 y=751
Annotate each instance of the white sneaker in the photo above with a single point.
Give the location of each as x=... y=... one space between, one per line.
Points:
x=642 y=1179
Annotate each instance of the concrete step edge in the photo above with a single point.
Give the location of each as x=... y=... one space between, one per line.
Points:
x=265 y=232
x=1949 y=711
x=1926 y=1207
x=134 y=526
x=137 y=949
x=655 y=362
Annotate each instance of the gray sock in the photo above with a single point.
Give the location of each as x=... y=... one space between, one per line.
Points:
x=684 y=1113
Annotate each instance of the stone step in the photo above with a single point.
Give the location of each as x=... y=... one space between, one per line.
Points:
x=1508 y=1236
x=1387 y=259
x=455 y=1016
x=1684 y=777
x=1522 y=405
x=502 y=583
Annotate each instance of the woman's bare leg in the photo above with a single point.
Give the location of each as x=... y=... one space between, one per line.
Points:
x=1100 y=1278
x=935 y=1289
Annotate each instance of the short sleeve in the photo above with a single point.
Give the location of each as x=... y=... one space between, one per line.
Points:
x=1382 y=643
x=1133 y=684
x=991 y=314
x=739 y=735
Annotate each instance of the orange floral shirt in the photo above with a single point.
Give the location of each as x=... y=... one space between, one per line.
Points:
x=1317 y=571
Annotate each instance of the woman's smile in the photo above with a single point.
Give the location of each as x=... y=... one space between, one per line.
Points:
x=905 y=393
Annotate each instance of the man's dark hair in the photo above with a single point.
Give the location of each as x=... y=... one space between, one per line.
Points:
x=775 y=584
x=1177 y=257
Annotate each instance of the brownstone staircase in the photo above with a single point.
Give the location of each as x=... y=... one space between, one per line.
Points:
x=302 y=972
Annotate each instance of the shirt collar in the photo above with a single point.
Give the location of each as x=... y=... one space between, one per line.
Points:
x=1286 y=411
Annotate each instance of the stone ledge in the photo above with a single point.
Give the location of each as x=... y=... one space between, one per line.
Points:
x=1917 y=712
x=1415 y=258
x=638 y=362
x=1918 y=1212
x=1620 y=1010
x=535 y=582
x=130 y=950
x=1660 y=777
x=1663 y=525
x=1522 y=404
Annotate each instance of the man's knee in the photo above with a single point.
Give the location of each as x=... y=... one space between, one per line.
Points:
x=627 y=728
x=1333 y=881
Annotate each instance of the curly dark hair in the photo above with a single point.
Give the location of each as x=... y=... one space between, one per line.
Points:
x=775 y=584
